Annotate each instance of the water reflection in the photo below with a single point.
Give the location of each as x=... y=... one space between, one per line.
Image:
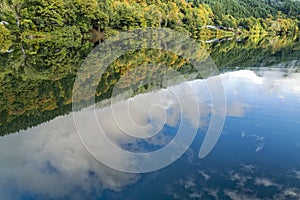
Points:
x=37 y=78
x=274 y=83
x=49 y=161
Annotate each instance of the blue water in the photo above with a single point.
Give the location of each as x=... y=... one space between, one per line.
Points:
x=256 y=157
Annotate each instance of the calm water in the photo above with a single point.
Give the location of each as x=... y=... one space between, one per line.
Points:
x=255 y=157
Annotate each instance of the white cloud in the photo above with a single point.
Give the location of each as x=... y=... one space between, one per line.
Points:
x=265 y=182
x=261 y=140
x=50 y=160
x=239 y=179
x=256 y=137
x=260 y=147
x=187 y=183
x=193 y=189
x=292 y=192
x=241 y=76
x=243 y=134
x=288 y=193
x=236 y=109
x=235 y=195
x=248 y=168
x=270 y=82
x=195 y=195
x=297 y=174
x=205 y=175
x=212 y=192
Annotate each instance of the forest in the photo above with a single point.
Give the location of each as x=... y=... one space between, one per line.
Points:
x=31 y=19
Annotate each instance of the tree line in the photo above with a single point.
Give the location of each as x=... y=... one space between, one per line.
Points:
x=23 y=19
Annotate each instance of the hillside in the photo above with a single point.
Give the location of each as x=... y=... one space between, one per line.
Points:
x=253 y=8
x=30 y=19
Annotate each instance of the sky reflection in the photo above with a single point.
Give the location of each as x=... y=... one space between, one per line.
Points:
x=49 y=161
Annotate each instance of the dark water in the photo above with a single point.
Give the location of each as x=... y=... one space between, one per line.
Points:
x=255 y=157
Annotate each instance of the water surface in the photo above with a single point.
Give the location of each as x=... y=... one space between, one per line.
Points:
x=256 y=156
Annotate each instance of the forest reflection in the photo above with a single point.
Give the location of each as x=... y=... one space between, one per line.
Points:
x=38 y=77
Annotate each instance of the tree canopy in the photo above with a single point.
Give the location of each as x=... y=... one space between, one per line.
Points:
x=41 y=18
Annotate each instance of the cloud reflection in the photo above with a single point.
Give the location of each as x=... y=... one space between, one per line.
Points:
x=49 y=160
x=266 y=82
